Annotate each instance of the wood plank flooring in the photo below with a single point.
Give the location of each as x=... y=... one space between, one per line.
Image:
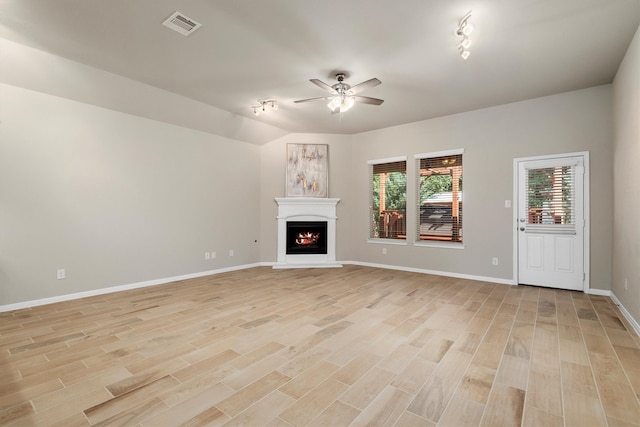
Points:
x=324 y=347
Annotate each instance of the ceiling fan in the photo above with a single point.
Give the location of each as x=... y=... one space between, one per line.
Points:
x=343 y=96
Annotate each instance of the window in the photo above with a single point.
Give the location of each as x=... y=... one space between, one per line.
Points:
x=388 y=198
x=439 y=186
x=550 y=196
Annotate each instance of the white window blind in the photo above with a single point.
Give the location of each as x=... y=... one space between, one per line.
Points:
x=388 y=199
x=439 y=186
x=550 y=201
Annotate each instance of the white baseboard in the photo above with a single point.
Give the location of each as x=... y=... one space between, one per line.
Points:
x=626 y=314
x=434 y=272
x=162 y=281
x=111 y=289
x=601 y=292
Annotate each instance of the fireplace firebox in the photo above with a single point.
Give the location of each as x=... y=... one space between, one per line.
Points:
x=306 y=237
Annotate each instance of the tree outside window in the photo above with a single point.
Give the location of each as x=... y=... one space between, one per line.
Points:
x=388 y=200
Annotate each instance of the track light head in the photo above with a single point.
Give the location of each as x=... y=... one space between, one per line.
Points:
x=465 y=28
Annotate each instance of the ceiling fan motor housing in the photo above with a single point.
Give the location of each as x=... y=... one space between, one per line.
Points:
x=341 y=87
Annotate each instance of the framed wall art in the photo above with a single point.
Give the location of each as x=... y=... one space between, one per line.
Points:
x=307 y=170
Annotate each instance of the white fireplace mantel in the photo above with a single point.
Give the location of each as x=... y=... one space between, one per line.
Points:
x=306 y=209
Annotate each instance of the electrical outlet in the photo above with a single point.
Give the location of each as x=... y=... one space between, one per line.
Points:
x=507 y=204
x=61 y=274
x=230 y=252
x=494 y=261
x=213 y=255
x=207 y=255
x=626 y=285
x=384 y=251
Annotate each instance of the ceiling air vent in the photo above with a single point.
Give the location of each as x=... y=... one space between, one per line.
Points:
x=181 y=24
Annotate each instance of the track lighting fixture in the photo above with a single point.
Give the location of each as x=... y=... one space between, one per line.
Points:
x=464 y=30
x=263 y=104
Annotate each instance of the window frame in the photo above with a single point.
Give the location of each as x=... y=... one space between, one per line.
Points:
x=417 y=160
x=370 y=167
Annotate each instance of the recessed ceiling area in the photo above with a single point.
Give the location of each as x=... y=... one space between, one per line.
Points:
x=247 y=51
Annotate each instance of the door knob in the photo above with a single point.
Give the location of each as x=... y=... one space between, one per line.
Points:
x=521 y=228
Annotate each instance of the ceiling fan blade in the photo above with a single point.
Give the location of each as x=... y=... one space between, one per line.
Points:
x=313 y=99
x=364 y=85
x=368 y=100
x=323 y=85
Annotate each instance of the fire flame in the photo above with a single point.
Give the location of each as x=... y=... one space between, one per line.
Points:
x=307 y=238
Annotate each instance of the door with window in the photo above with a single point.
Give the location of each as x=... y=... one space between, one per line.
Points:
x=551 y=222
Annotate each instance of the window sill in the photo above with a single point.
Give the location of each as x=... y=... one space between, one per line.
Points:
x=445 y=245
x=400 y=242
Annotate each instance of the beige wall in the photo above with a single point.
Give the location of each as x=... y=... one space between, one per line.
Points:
x=273 y=166
x=626 y=232
x=115 y=199
x=491 y=139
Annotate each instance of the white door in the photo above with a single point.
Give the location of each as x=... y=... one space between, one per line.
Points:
x=551 y=222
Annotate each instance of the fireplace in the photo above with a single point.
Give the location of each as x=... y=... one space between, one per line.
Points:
x=306 y=237
x=306 y=232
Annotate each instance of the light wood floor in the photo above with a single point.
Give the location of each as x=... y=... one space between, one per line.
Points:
x=324 y=347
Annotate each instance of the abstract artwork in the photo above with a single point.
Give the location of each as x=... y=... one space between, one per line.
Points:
x=307 y=170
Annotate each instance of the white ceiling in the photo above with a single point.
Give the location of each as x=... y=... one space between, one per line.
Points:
x=247 y=50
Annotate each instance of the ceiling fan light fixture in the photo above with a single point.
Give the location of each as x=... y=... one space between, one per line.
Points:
x=341 y=103
x=347 y=104
x=334 y=103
